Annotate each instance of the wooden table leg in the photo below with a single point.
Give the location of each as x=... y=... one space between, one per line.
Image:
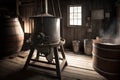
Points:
x=59 y=66
x=29 y=57
x=57 y=63
x=63 y=53
x=37 y=55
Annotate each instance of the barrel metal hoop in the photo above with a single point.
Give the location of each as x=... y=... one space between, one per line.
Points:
x=107 y=59
x=106 y=49
x=105 y=72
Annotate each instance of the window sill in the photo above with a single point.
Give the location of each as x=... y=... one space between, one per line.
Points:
x=75 y=26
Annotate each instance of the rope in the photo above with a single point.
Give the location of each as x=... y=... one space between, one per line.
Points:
x=53 y=8
x=59 y=8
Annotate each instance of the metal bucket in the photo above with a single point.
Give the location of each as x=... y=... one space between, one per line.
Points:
x=88 y=46
x=11 y=36
x=76 y=46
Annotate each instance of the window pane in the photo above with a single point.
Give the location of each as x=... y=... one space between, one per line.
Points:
x=75 y=9
x=79 y=22
x=75 y=22
x=71 y=16
x=79 y=9
x=71 y=21
x=71 y=9
x=79 y=15
x=75 y=16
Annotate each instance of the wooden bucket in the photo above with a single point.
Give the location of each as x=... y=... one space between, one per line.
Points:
x=11 y=36
x=106 y=60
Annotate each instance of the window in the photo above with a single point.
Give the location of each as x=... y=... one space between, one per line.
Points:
x=74 y=15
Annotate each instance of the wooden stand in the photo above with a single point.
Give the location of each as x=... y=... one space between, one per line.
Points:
x=59 y=67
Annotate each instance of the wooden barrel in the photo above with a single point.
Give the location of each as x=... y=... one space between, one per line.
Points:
x=106 y=60
x=11 y=36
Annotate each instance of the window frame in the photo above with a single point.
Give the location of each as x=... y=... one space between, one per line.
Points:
x=68 y=16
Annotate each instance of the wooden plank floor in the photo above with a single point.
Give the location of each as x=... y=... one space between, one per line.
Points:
x=11 y=69
x=79 y=60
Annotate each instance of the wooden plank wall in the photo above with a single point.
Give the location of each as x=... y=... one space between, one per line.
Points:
x=81 y=32
x=77 y=33
x=26 y=10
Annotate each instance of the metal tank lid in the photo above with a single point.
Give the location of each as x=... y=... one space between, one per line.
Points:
x=44 y=15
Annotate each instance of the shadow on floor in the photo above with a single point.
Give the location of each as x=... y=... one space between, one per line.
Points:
x=32 y=75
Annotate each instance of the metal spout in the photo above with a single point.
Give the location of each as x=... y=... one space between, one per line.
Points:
x=45 y=7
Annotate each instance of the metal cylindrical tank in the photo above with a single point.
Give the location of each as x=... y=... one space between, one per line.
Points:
x=11 y=36
x=49 y=26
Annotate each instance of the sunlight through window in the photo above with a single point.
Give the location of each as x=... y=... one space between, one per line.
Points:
x=75 y=15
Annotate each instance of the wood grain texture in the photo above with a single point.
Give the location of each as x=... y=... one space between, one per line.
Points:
x=11 y=69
